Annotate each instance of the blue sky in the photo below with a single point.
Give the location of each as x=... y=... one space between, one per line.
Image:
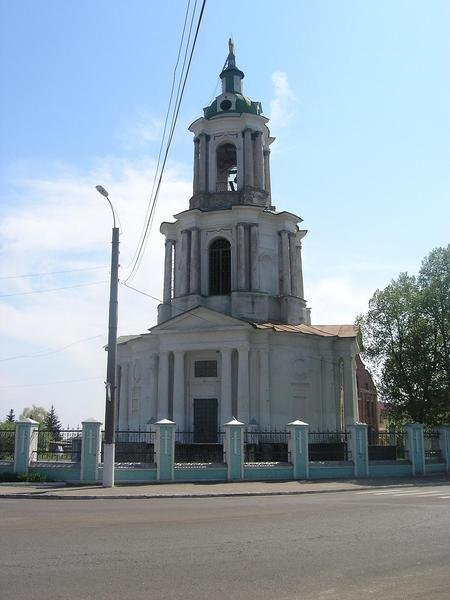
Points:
x=358 y=93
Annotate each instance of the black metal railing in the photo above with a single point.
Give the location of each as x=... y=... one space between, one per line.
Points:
x=431 y=445
x=189 y=450
x=62 y=445
x=387 y=445
x=7 y=441
x=328 y=445
x=266 y=446
x=133 y=446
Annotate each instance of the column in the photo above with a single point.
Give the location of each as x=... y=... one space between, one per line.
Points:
x=350 y=391
x=241 y=257
x=298 y=448
x=124 y=398
x=194 y=274
x=243 y=384
x=225 y=386
x=202 y=164
x=184 y=259
x=254 y=271
x=153 y=367
x=196 y=164
x=164 y=449
x=90 y=450
x=299 y=271
x=264 y=390
x=234 y=449
x=25 y=444
x=416 y=449
x=267 y=170
x=258 y=161
x=167 y=294
x=285 y=264
x=444 y=445
x=293 y=264
x=163 y=385
x=178 y=389
x=248 y=158
x=359 y=449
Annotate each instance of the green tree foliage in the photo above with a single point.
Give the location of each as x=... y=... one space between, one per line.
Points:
x=52 y=423
x=10 y=417
x=37 y=413
x=406 y=334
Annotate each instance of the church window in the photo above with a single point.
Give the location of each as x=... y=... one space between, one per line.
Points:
x=205 y=368
x=219 y=268
x=226 y=163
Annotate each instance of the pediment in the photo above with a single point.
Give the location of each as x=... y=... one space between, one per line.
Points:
x=200 y=319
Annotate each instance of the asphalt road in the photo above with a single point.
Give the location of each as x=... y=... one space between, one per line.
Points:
x=373 y=544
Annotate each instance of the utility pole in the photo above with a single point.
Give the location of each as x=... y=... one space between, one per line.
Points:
x=110 y=408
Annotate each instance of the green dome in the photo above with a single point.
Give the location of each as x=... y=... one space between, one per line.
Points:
x=231 y=101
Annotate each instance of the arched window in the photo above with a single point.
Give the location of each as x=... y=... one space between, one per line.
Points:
x=226 y=164
x=220 y=267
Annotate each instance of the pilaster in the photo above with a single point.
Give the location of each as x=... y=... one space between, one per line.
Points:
x=298 y=448
x=416 y=448
x=90 y=450
x=26 y=440
x=359 y=449
x=234 y=449
x=164 y=449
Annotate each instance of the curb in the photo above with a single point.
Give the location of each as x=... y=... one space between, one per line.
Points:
x=42 y=496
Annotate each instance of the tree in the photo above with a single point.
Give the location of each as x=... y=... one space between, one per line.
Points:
x=406 y=334
x=52 y=423
x=37 y=413
x=10 y=417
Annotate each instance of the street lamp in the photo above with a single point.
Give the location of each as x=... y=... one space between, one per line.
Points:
x=110 y=408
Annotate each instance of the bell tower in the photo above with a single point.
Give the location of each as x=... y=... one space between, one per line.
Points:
x=231 y=251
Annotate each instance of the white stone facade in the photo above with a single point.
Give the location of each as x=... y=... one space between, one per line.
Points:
x=234 y=337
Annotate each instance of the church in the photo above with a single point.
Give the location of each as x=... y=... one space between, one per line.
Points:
x=234 y=335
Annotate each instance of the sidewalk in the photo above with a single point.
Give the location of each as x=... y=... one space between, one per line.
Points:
x=62 y=491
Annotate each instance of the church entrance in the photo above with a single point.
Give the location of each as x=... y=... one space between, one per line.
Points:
x=205 y=420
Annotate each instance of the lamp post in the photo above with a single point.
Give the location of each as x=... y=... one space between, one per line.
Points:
x=110 y=409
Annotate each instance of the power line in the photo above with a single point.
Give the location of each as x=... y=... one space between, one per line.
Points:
x=8 y=387
x=179 y=99
x=164 y=134
x=52 y=272
x=67 y=287
x=49 y=352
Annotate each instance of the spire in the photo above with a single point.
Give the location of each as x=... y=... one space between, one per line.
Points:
x=231 y=76
x=231 y=60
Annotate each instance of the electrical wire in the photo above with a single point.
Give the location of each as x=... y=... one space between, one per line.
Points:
x=53 y=272
x=49 y=352
x=67 y=287
x=144 y=241
x=9 y=387
x=150 y=202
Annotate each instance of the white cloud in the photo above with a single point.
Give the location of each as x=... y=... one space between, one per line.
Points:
x=140 y=131
x=63 y=223
x=281 y=106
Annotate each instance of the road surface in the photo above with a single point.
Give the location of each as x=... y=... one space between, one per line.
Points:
x=350 y=545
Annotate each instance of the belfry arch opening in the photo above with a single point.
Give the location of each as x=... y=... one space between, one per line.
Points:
x=226 y=168
x=220 y=267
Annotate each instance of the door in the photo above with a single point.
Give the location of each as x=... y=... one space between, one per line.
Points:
x=205 y=420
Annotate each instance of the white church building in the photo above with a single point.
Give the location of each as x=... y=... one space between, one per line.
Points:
x=234 y=334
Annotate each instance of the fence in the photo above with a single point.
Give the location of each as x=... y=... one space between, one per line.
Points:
x=188 y=450
x=266 y=446
x=328 y=445
x=386 y=445
x=58 y=445
x=7 y=440
x=133 y=446
x=431 y=445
